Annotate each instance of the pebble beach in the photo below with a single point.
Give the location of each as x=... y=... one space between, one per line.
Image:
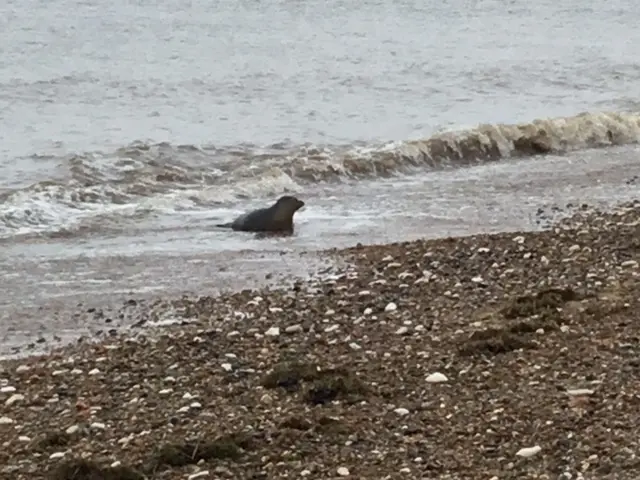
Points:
x=501 y=356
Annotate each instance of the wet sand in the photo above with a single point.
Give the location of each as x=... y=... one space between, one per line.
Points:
x=92 y=296
x=508 y=355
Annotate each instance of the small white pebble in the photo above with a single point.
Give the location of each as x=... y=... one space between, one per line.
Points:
x=329 y=312
x=305 y=473
x=183 y=409
x=629 y=263
x=293 y=328
x=544 y=260
x=564 y=328
x=477 y=279
x=23 y=368
x=7 y=389
x=98 y=426
x=273 y=332
x=187 y=396
x=195 y=405
x=391 y=307
x=55 y=455
x=401 y=411
x=72 y=429
x=528 y=451
x=343 y=471
x=200 y=474
x=402 y=330
x=24 y=438
x=115 y=464
x=483 y=250
x=332 y=328
x=275 y=309
x=76 y=371
x=405 y=470
x=5 y=421
x=165 y=391
x=95 y=371
x=579 y=392
x=367 y=311
x=354 y=346
x=227 y=367
x=519 y=239
x=436 y=377
x=574 y=248
x=540 y=331
x=16 y=397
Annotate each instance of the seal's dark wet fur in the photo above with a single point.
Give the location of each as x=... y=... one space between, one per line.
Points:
x=278 y=218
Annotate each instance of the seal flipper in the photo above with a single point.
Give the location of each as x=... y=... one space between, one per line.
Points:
x=225 y=225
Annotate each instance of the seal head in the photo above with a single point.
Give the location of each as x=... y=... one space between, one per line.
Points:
x=278 y=218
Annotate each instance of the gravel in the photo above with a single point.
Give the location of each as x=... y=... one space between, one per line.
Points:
x=502 y=356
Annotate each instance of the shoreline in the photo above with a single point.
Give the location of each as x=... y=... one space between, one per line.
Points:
x=45 y=282
x=91 y=314
x=431 y=358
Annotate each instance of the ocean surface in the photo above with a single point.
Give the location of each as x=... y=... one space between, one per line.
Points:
x=129 y=129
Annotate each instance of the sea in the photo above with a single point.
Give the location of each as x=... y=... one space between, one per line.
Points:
x=129 y=129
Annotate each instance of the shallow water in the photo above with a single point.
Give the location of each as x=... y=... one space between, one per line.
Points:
x=193 y=256
x=128 y=130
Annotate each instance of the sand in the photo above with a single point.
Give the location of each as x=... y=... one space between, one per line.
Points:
x=492 y=356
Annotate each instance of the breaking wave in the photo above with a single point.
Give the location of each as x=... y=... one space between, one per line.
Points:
x=145 y=179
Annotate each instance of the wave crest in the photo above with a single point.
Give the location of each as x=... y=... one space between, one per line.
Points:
x=142 y=179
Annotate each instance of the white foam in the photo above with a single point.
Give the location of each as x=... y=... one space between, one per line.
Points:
x=105 y=194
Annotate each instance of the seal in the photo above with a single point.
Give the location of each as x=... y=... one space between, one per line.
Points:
x=278 y=218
